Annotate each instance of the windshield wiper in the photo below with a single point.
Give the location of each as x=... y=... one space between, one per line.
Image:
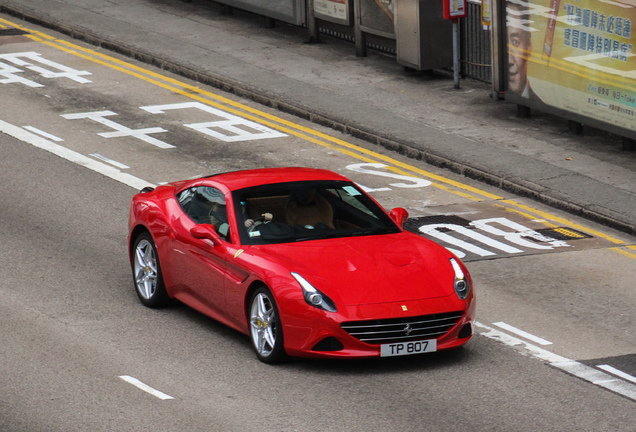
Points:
x=322 y=235
x=375 y=231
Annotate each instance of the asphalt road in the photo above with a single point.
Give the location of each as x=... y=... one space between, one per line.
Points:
x=71 y=325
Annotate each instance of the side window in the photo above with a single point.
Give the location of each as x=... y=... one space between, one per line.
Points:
x=206 y=205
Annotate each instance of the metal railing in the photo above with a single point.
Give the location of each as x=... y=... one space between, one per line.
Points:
x=475 y=51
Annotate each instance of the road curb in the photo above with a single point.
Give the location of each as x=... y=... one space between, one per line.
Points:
x=506 y=183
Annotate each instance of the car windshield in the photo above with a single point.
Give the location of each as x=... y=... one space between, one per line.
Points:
x=310 y=210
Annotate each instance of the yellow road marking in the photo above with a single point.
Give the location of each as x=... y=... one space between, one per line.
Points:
x=194 y=92
x=624 y=252
x=563 y=221
x=569 y=233
x=302 y=132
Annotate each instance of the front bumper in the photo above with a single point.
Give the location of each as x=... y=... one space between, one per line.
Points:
x=319 y=334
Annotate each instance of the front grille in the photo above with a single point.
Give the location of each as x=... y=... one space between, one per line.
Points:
x=402 y=329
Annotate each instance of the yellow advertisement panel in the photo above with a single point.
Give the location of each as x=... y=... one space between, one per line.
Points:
x=574 y=55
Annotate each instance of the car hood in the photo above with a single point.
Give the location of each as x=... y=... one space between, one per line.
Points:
x=370 y=269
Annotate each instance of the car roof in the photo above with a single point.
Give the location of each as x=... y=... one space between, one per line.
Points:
x=249 y=178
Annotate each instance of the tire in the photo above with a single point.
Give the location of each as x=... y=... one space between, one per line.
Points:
x=147 y=273
x=266 y=331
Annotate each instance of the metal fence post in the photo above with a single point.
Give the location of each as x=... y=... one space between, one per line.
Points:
x=361 y=40
x=498 y=48
x=312 y=25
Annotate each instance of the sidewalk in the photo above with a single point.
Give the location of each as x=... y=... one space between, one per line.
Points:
x=373 y=98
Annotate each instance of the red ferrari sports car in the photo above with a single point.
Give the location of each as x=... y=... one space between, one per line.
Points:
x=301 y=260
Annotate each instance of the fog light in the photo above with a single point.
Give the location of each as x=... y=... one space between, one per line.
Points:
x=328 y=344
x=465 y=332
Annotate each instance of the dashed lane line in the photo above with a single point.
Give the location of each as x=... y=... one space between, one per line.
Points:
x=617 y=372
x=572 y=367
x=72 y=156
x=523 y=334
x=145 y=387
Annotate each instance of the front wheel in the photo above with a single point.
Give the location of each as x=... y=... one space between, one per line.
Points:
x=147 y=273
x=266 y=331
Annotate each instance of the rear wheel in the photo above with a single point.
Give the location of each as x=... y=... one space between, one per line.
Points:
x=147 y=273
x=266 y=331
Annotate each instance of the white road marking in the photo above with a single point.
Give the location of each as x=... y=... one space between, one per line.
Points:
x=522 y=333
x=231 y=129
x=121 y=130
x=109 y=161
x=571 y=367
x=72 y=156
x=617 y=372
x=42 y=133
x=365 y=168
x=145 y=387
x=9 y=75
x=60 y=71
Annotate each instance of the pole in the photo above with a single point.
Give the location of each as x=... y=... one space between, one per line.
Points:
x=312 y=25
x=456 y=51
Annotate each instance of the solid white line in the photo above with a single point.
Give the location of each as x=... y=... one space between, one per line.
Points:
x=572 y=367
x=42 y=133
x=110 y=161
x=522 y=333
x=72 y=156
x=617 y=372
x=145 y=387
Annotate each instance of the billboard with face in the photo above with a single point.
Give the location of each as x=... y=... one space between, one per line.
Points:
x=575 y=56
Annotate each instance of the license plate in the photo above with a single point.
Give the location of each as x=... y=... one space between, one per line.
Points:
x=408 y=348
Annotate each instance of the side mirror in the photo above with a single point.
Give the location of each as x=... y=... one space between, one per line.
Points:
x=399 y=216
x=206 y=232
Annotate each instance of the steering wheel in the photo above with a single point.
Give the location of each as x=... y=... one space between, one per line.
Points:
x=257 y=221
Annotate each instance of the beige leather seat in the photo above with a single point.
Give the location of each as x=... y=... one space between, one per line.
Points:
x=309 y=209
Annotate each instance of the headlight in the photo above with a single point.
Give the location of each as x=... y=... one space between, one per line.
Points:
x=314 y=297
x=462 y=288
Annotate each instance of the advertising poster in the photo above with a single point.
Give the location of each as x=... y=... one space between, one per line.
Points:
x=486 y=14
x=336 y=10
x=574 y=55
x=376 y=16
